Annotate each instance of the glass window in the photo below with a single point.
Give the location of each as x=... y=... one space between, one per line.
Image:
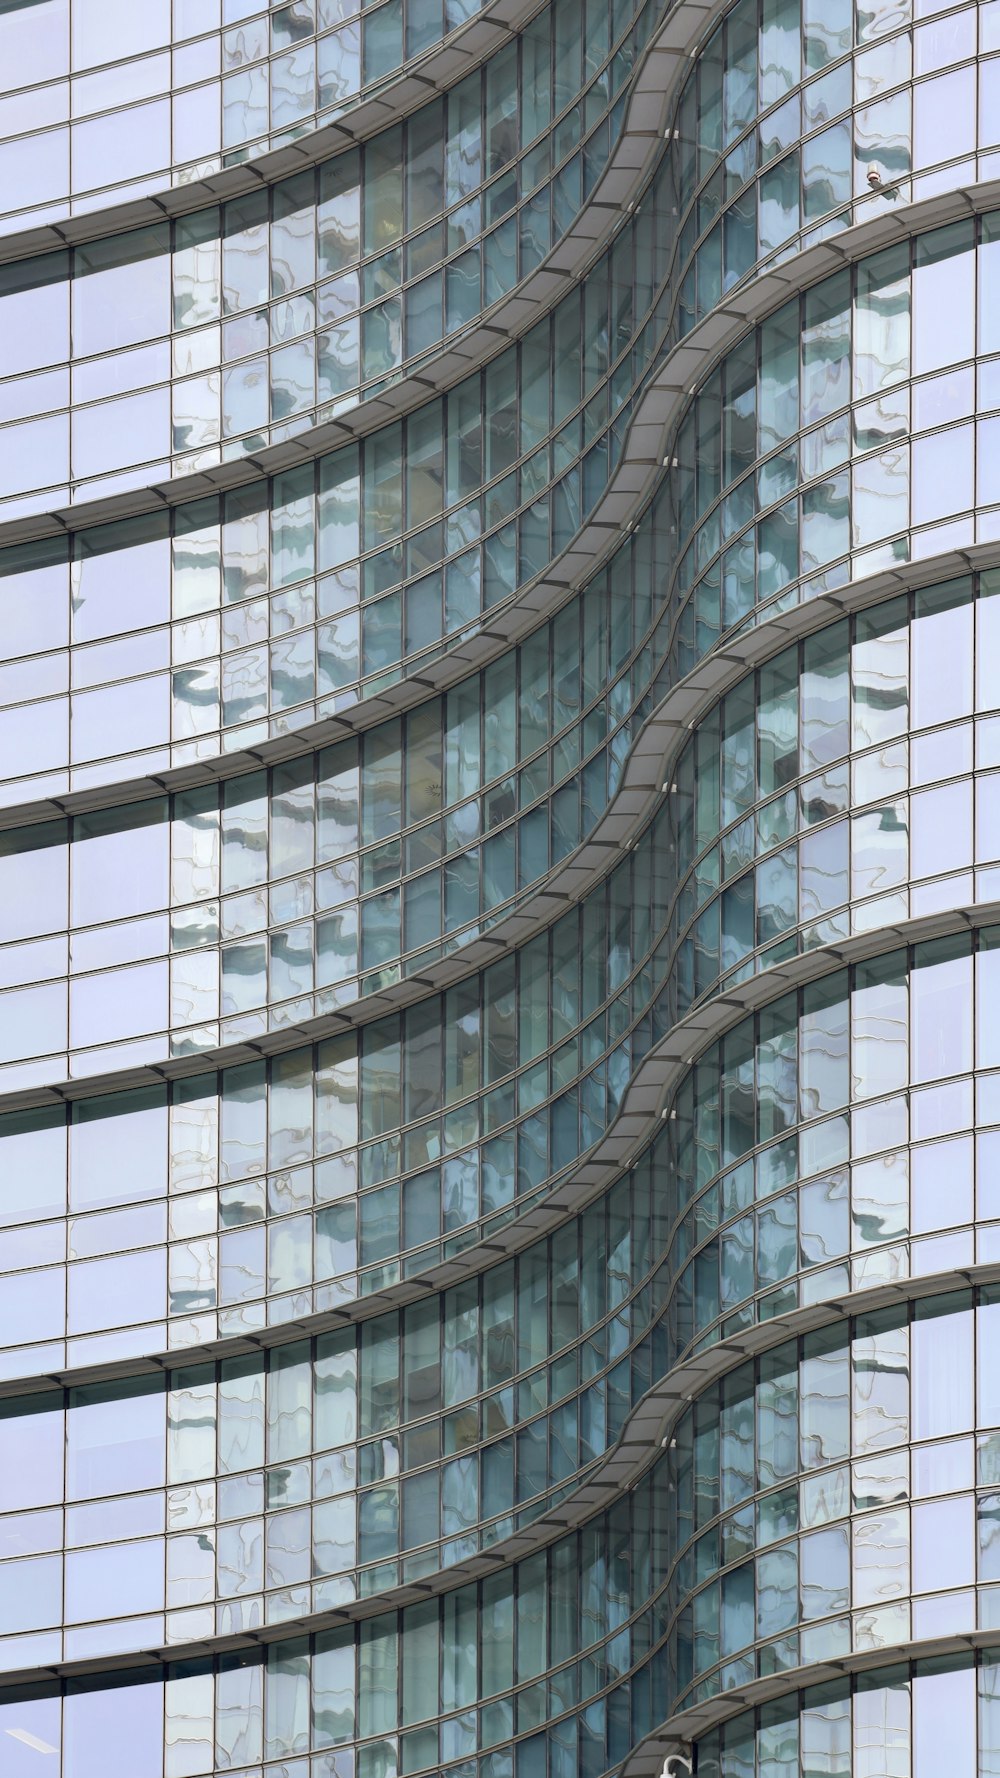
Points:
x=942 y=654
x=33 y=881
x=944 y=295
x=882 y=321
x=111 y=564
x=944 y=1692
x=121 y=291
x=115 y=1439
x=121 y=860
x=942 y=478
x=942 y=1009
x=110 y=1729
x=34 y=304
x=942 y=1364
x=118 y=1149
x=944 y=124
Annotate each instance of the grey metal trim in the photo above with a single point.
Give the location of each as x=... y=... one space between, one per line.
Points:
x=399 y=94
x=639 y=469
x=640 y=142
x=685 y=368
x=647 y=772
x=674 y=1738
x=646 y=1098
x=646 y=1431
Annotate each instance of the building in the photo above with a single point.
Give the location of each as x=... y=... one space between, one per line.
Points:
x=499 y=889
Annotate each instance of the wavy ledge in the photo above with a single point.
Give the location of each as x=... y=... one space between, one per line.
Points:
x=645 y=1101
x=645 y=779
x=643 y=132
x=642 y=462
x=647 y=1430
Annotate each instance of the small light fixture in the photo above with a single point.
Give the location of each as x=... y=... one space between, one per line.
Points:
x=30 y=1740
x=874 y=178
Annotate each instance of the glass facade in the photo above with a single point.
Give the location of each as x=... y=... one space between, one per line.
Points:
x=499 y=889
x=118 y=100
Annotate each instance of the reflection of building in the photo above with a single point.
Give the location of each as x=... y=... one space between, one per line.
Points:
x=499 y=881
